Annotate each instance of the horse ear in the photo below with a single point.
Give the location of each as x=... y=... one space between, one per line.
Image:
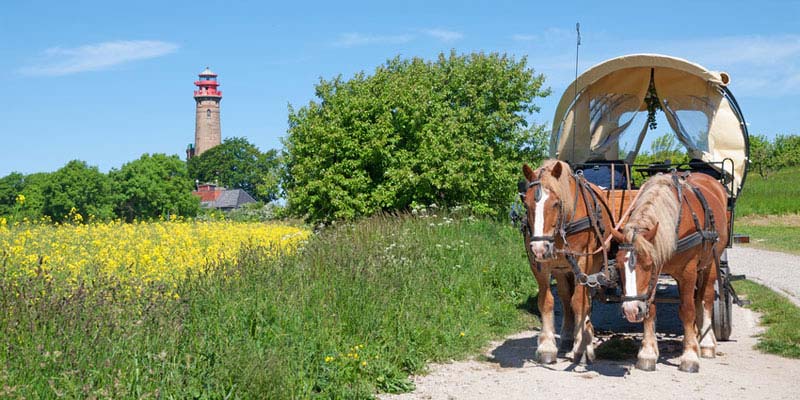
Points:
x=618 y=236
x=528 y=172
x=556 y=172
x=649 y=235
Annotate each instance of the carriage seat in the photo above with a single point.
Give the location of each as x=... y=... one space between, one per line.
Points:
x=599 y=173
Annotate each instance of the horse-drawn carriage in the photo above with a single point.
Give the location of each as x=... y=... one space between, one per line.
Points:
x=584 y=210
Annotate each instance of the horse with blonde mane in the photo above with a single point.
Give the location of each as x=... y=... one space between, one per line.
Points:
x=677 y=226
x=566 y=225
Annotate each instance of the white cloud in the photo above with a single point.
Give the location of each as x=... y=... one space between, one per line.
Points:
x=58 y=61
x=443 y=35
x=359 y=39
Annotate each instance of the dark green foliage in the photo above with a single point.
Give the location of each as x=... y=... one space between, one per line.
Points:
x=451 y=131
x=398 y=292
x=31 y=187
x=79 y=186
x=238 y=164
x=153 y=186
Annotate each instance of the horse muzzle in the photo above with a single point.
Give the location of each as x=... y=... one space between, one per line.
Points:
x=543 y=249
x=635 y=311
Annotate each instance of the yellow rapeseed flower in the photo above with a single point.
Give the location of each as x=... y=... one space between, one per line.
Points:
x=136 y=254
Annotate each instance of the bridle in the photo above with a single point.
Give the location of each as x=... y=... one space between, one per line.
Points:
x=702 y=235
x=537 y=195
x=566 y=228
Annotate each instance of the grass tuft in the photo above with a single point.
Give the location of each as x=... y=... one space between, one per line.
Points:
x=779 y=316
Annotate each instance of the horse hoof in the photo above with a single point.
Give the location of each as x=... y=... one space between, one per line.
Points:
x=689 y=366
x=547 y=358
x=708 y=352
x=646 y=364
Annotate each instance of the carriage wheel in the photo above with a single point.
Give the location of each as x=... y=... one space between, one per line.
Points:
x=723 y=304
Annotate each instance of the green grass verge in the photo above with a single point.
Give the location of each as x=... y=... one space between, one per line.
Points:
x=779 y=315
x=773 y=196
x=361 y=308
x=774 y=237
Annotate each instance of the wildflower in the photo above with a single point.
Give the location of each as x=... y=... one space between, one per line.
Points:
x=328 y=359
x=461 y=334
x=363 y=363
x=21 y=199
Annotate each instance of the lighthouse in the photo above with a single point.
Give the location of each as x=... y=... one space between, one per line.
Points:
x=207 y=131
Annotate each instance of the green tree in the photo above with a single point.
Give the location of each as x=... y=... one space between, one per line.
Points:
x=153 y=186
x=79 y=186
x=11 y=186
x=762 y=155
x=237 y=163
x=787 y=150
x=30 y=187
x=450 y=131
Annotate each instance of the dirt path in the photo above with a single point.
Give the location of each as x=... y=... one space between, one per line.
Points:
x=509 y=371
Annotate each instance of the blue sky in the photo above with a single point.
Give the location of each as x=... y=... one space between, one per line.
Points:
x=105 y=81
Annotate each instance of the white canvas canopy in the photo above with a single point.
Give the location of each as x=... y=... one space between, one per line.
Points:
x=607 y=120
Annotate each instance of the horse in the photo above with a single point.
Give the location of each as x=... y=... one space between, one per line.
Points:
x=565 y=229
x=677 y=226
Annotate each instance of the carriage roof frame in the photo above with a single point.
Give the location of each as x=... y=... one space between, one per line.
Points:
x=697 y=103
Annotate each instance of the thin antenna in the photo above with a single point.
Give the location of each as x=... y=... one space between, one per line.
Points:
x=575 y=98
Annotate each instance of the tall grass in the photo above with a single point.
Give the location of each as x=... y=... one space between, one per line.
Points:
x=360 y=308
x=776 y=195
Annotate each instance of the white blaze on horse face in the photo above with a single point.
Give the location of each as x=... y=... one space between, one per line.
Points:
x=630 y=276
x=538 y=246
x=538 y=223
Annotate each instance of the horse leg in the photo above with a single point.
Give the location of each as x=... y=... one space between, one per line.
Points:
x=546 y=349
x=648 y=353
x=584 y=331
x=705 y=307
x=565 y=284
x=690 y=361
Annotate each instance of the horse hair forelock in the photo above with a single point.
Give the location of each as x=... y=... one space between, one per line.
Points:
x=657 y=203
x=560 y=186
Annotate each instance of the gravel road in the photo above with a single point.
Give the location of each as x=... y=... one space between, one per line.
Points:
x=508 y=371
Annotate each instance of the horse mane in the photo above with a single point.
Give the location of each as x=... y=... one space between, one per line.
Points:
x=561 y=186
x=656 y=204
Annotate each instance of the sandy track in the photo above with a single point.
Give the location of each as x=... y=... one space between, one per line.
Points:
x=738 y=371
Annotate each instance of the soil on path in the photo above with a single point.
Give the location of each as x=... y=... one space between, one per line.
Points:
x=507 y=370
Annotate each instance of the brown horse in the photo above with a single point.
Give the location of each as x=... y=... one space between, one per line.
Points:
x=677 y=226
x=565 y=227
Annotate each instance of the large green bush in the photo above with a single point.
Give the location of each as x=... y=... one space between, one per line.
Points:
x=450 y=131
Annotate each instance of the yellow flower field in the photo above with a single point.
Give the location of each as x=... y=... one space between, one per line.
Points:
x=141 y=252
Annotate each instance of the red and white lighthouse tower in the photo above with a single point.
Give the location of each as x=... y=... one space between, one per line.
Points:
x=207 y=131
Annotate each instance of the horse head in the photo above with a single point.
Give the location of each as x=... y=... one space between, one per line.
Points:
x=637 y=269
x=544 y=207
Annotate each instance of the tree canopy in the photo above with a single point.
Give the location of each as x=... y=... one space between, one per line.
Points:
x=79 y=186
x=154 y=186
x=238 y=164
x=453 y=131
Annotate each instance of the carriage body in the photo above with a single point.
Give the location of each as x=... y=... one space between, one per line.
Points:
x=603 y=119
